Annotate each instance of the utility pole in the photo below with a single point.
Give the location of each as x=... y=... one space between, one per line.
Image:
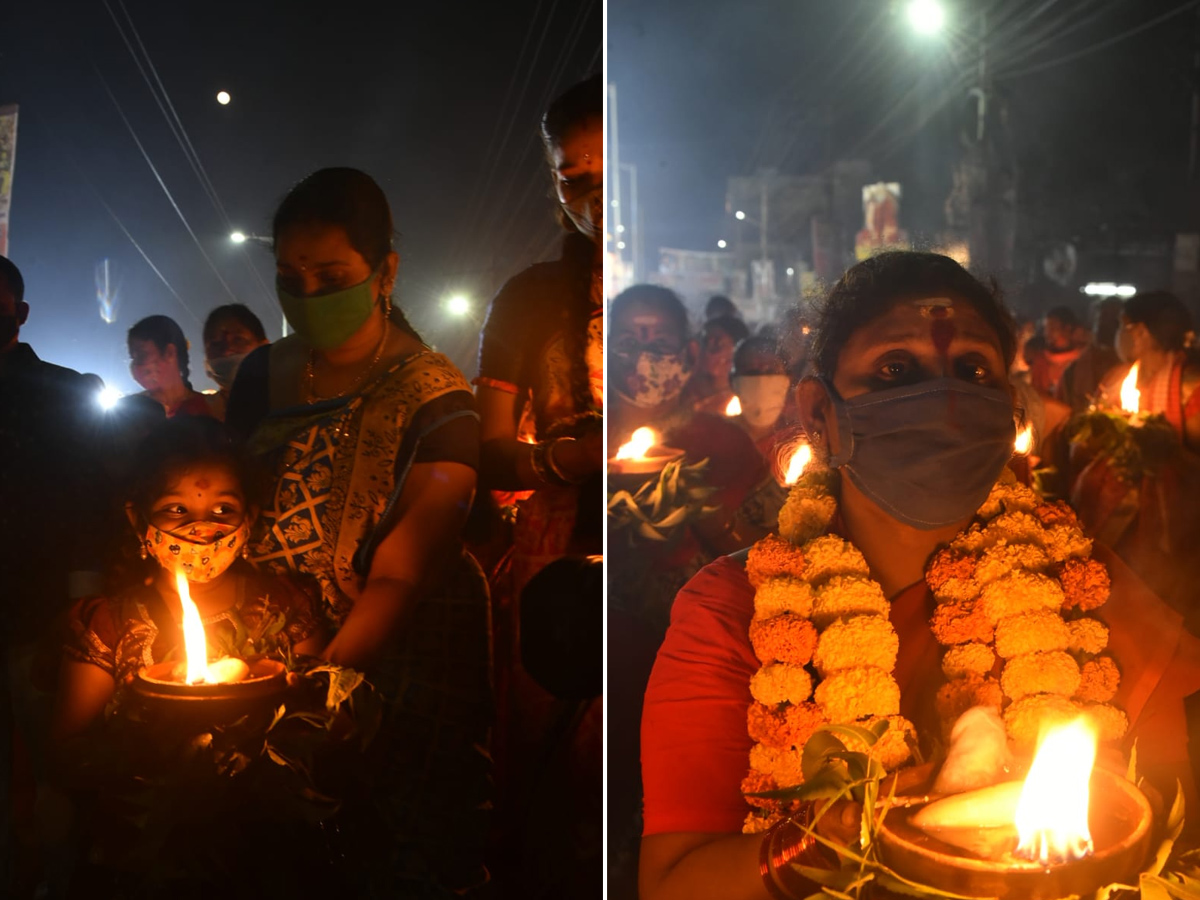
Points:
x=763 y=212
x=981 y=215
x=614 y=156
x=635 y=218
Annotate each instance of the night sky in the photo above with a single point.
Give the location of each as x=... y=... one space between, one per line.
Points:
x=438 y=102
x=710 y=89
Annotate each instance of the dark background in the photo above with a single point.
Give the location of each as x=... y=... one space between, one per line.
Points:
x=1101 y=133
x=440 y=103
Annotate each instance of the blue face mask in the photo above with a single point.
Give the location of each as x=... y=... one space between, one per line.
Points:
x=928 y=453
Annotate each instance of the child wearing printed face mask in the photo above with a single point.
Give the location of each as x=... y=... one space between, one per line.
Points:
x=190 y=514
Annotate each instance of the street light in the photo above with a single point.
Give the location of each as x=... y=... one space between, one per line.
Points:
x=223 y=98
x=739 y=215
x=721 y=243
x=926 y=16
x=458 y=305
x=240 y=237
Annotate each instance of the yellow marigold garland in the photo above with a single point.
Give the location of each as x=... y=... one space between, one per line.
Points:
x=1013 y=595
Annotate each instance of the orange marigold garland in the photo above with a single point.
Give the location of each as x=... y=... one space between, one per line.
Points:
x=1023 y=571
x=827 y=648
x=1013 y=592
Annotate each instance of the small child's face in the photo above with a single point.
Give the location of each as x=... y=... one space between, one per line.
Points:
x=206 y=493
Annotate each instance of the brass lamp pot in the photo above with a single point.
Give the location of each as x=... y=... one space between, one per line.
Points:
x=1119 y=819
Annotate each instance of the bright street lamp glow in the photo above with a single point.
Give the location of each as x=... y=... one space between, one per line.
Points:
x=458 y=305
x=926 y=16
x=1108 y=289
x=223 y=98
x=108 y=397
x=238 y=237
x=739 y=215
x=620 y=245
x=721 y=244
x=620 y=229
x=791 y=271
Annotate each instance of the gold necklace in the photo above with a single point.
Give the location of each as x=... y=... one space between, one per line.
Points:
x=310 y=390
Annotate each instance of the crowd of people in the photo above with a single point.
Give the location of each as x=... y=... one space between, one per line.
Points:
x=427 y=550
x=346 y=503
x=909 y=385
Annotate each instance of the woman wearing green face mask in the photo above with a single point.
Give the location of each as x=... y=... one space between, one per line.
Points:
x=373 y=444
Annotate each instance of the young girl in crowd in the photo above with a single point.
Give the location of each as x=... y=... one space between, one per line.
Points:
x=158 y=361
x=190 y=513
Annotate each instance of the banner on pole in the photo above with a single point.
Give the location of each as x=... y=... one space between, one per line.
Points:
x=8 y=155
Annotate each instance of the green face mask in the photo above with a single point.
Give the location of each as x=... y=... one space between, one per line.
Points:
x=327 y=321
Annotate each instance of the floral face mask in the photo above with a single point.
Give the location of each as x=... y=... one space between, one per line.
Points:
x=201 y=550
x=660 y=378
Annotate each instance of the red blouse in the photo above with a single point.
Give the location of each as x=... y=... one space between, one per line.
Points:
x=695 y=748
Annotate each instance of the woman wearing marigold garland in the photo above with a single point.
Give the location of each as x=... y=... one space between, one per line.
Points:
x=904 y=543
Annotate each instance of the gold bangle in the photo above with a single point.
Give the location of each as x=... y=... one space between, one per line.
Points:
x=790 y=842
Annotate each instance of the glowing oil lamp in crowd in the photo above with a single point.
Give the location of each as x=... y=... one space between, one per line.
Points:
x=642 y=454
x=1024 y=441
x=1052 y=812
x=1067 y=829
x=197 y=669
x=1130 y=395
x=734 y=406
x=214 y=690
x=797 y=463
x=1021 y=464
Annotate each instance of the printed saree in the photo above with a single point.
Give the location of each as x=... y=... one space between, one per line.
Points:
x=337 y=470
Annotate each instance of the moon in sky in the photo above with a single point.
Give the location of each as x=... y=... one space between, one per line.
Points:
x=223 y=98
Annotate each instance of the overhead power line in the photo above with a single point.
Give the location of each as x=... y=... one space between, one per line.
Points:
x=163 y=99
x=1105 y=44
x=161 y=183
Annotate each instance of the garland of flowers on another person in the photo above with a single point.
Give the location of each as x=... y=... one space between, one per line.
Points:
x=1014 y=594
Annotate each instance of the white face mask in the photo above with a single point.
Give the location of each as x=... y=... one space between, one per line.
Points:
x=763 y=397
x=223 y=369
x=586 y=212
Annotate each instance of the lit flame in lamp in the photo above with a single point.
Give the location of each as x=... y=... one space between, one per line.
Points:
x=797 y=464
x=734 y=407
x=1052 y=814
x=1130 y=395
x=643 y=439
x=1024 y=442
x=195 y=645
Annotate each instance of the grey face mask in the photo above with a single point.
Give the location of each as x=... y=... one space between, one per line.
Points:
x=927 y=454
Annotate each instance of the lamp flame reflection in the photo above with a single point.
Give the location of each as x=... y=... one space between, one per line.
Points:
x=1052 y=814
